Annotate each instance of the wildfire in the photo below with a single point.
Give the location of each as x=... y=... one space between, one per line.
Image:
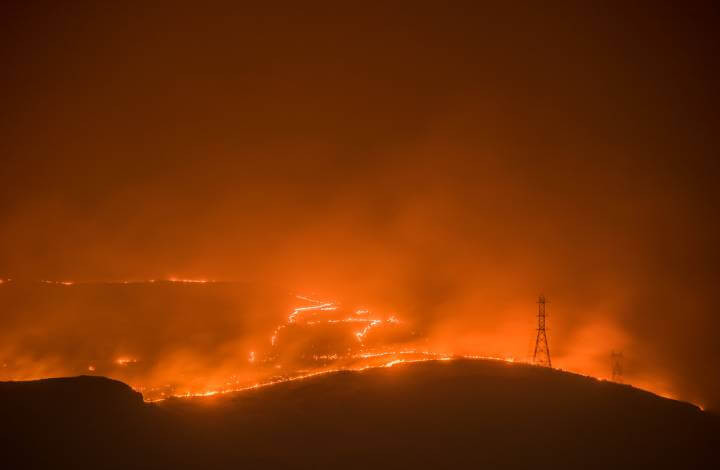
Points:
x=123 y=361
x=320 y=306
x=292 y=318
x=392 y=363
x=325 y=313
x=190 y=281
x=361 y=334
x=59 y=283
x=307 y=375
x=127 y=281
x=358 y=346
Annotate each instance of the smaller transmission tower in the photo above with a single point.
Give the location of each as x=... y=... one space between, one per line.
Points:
x=616 y=358
x=541 y=356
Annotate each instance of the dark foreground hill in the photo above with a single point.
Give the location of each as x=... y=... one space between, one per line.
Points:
x=457 y=414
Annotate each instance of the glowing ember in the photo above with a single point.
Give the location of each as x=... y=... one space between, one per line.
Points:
x=189 y=281
x=123 y=361
x=392 y=363
x=137 y=281
x=59 y=283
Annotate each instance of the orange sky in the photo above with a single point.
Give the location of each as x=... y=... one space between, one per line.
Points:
x=447 y=162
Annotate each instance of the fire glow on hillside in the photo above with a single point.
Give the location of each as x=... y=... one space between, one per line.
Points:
x=314 y=358
x=316 y=337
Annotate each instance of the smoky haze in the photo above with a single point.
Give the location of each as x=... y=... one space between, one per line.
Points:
x=447 y=163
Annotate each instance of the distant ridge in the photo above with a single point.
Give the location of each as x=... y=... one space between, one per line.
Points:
x=80 y=391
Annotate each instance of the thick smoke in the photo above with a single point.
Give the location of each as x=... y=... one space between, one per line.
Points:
x=447 y=165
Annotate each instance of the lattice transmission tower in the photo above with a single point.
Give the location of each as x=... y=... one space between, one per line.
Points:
x=541 y=356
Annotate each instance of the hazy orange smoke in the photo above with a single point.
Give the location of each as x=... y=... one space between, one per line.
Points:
x=161 y=358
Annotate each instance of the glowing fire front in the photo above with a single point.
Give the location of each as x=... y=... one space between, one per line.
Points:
x=318 y=337
x=308 y=316
x=350 y=333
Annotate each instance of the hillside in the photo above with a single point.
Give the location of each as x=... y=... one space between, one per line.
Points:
x=469 y=414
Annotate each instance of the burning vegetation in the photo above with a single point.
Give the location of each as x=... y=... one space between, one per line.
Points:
x=195 y=337
x=316 y=339
x=198 y=353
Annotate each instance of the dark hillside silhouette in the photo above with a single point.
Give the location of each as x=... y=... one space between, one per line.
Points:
x=457 y=414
